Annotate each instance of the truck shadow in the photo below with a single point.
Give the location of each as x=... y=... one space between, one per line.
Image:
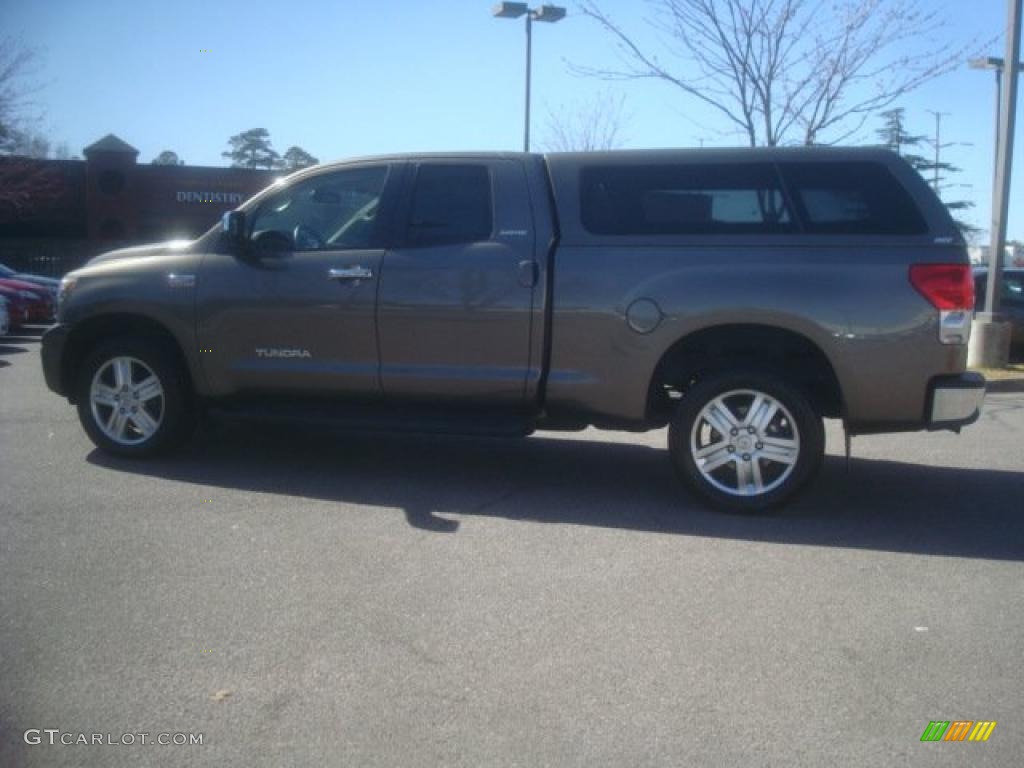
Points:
x=880 y=505
x=7 y=349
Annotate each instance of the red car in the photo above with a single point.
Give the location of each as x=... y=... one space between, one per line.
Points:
x=17 y=307
x=26 y=302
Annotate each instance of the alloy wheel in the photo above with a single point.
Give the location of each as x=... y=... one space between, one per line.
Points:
x=127 y=400
x=745 y=443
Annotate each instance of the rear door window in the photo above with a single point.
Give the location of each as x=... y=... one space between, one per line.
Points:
x=450 y=204
x=691 y=199
x=852 y=198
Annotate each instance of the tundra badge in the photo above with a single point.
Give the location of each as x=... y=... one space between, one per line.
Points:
x=264 y=352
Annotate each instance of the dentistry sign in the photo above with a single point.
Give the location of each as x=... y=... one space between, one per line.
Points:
x=221 y=198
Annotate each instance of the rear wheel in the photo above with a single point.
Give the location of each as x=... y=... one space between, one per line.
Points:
x=746 y=442
x=132 y=398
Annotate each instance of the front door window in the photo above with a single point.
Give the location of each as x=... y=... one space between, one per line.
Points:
x=333 y=211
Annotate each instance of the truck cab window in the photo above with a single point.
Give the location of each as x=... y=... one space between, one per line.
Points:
x=451 y=204
x=333 y=211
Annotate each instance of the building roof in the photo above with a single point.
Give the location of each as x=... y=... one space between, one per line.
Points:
x=110 y=143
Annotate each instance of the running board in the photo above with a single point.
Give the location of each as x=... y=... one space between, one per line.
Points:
x=381 y=417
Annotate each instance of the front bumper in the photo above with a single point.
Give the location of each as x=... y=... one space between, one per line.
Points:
x=52 y=353
x=955 y=401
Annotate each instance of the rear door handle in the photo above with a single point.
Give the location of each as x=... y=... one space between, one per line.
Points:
x=350 y=273
x=529 y=273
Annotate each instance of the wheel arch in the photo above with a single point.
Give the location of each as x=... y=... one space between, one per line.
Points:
x=784 y=352
x=87 y=334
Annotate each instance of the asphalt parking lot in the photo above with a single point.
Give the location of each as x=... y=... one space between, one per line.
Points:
x=307 y=599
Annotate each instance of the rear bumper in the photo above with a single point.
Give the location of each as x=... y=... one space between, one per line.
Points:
x=955 y=401
x=52 y=353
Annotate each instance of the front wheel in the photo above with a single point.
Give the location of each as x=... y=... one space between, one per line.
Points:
x=746 y=442
x=132 y=398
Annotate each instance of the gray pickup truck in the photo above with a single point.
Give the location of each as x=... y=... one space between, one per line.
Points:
x=737 y=296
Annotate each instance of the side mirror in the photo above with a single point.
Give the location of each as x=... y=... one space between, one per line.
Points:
x=270 y=244
x=232 y=225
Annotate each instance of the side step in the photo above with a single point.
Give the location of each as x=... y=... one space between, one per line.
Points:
x=380 y=417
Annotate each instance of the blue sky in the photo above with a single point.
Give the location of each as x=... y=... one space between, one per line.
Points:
x=345 y=78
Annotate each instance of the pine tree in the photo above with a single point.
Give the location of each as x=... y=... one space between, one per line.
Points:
x=894 y=136
x=251 y=149
x=297 y=158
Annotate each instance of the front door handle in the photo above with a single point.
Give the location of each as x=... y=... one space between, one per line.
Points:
x=350 y=273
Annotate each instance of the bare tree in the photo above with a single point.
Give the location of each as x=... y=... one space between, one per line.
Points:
x=25 y=183
x=589 y=128
x=786 y=71
x=17 y=66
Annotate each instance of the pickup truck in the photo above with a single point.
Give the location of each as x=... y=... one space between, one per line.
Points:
x=738 y=297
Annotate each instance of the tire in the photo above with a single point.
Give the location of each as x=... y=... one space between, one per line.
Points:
x=746 y=442
x=134 y=373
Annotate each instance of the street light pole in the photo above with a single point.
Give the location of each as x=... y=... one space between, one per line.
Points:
x=996 y=65
x=549 y=13
x=990 y=340
x=1004 y=158
x=999 y=106
x=529 y=59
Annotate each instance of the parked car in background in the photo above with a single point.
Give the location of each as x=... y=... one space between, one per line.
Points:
x=17 y=307
x=5 y=320
x=1011 y=302
x=29 y=304
x=49 y=283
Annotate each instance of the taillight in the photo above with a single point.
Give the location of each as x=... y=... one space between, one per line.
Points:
x=950 y=289
x=946 y=286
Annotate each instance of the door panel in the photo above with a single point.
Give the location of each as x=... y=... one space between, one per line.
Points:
x=455 y=302
x=296 y=312
x=282 y=325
